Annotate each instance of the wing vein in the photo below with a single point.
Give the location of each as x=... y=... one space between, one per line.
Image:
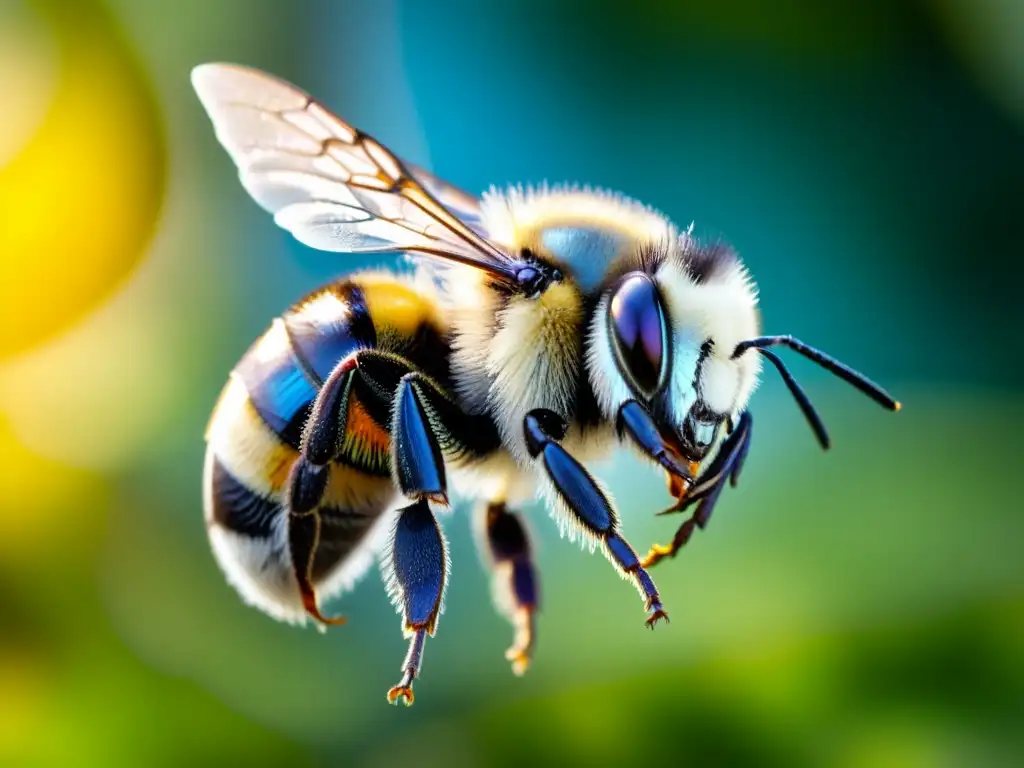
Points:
x=334 y=187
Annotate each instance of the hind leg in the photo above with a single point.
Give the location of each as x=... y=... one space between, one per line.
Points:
x=307 y=482
x=420 y=419
x=505 y=546
x=416 y=569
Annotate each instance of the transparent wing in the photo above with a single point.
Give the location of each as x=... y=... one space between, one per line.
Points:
x=333 y=187
x=462 y=205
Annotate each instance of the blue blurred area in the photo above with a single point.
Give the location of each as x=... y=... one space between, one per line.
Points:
x=860 y=608
x=855 y=166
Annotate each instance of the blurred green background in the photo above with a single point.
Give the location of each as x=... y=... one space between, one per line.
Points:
x=861 y=608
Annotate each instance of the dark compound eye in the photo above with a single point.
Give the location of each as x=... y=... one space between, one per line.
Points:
x=639 y=330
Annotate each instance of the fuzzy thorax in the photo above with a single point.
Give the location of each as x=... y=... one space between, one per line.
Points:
x=534 y=359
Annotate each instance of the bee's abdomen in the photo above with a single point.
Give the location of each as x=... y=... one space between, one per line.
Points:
x=347 y=513
x=236 y=507
x=256 y=429
x=284 y=369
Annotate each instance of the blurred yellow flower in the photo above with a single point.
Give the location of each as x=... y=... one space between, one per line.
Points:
x=81 y=194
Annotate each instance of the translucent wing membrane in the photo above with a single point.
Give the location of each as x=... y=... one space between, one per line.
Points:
x=461 y=204
x=333 y=187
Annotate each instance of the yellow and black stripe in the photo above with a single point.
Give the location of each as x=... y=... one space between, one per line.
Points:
x=256 y=428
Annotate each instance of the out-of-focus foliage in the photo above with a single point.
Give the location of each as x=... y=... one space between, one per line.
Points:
x=861 y=608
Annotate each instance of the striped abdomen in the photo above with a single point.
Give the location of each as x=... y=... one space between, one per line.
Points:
x=256 y=429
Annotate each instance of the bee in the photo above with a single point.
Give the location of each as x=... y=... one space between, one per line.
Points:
x=538 y=328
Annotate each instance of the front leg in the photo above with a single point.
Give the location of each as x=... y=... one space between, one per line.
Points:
x=726 y=467
x=587 y=504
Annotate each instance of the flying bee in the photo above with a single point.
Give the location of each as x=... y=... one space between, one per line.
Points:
x=539 y=328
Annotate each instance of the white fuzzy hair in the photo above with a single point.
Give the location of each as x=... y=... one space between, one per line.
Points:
x=722 y=309
x=516 y=215
x=261 y=570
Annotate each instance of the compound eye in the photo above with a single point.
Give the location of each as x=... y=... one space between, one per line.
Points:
x=640 y=331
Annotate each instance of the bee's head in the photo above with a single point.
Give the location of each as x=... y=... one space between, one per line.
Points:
x=664 y=335
x=673 y=354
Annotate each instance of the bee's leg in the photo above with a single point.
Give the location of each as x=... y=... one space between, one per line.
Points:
x=513 y=578
x=307 y=481
x=586 y=503
x=415 y=452
x=635 y=421
x=426 y=424
x=322 y=437
x=416 y=569
x=726 y=467
x=423 y=418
